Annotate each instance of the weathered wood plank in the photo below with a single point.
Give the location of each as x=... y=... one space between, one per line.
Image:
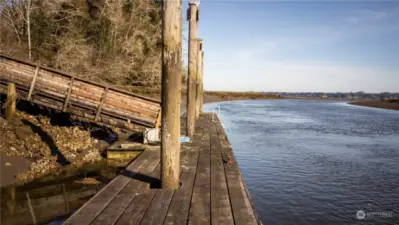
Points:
x=212 y=192
x=180 y=204
x=91 y=209
x=32 y=85
x=243 y=212
x=116 y=207
x=200 y=201
x=158 y=208
x=220 y=199
x=135 y=211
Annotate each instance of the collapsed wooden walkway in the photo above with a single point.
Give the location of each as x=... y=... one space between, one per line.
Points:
x=83 y=98
x=212 y=189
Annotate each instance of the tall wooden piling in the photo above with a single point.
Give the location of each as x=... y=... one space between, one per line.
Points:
x=171 y=92
x=192 y=66
x=198 y=79
x=202 y=83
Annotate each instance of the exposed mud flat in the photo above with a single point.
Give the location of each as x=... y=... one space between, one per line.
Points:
x=32 y=146
x=377 y=104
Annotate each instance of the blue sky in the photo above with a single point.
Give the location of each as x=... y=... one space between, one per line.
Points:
x=299 y=46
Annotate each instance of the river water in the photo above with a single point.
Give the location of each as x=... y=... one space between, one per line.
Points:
x=316 y=162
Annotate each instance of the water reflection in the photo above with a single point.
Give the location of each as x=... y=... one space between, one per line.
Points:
x=51 y=200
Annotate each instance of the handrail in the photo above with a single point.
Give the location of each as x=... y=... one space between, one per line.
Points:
x=219 y=115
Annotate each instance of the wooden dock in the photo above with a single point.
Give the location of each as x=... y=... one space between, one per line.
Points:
x=212 y=188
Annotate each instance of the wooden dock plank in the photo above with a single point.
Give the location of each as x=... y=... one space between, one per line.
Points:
x=200 y=201
x=242 y=209
x=220 y=199
x=89 y=211
x=116 y=207
x=156 y=212
x=134 y=213
x=213 y=190
x=180 y=204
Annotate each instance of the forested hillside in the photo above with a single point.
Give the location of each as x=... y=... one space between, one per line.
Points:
x=113 y=41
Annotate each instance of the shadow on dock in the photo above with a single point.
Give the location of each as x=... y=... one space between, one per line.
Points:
x=154 y=183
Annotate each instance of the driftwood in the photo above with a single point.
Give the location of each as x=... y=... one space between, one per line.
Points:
x=64 y=92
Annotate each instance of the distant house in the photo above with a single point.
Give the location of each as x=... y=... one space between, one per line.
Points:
x=324 y=96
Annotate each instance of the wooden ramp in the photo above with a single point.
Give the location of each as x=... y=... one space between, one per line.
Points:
x=66 y=93
x=212 y=190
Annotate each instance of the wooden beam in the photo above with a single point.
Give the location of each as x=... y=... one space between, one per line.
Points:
x=68 y=96
x=101 y=104
x=171 y=92
x=32 y=85
x=159 y=119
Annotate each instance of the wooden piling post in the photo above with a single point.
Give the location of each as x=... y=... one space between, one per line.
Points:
x=192 y=66
x=171 y=92
x=202 y=83
x=11 y=101
x=198 y=79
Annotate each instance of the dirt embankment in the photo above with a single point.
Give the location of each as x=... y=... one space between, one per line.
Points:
x=378 y=104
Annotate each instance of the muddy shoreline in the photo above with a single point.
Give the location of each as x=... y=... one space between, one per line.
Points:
x=377 y=104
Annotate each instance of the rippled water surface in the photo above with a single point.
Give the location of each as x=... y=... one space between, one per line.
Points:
x=316 y=162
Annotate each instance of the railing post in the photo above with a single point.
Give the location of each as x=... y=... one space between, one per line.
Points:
x=171 y=92
x=192 y=66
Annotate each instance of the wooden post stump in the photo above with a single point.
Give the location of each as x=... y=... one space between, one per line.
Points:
x=11 y=102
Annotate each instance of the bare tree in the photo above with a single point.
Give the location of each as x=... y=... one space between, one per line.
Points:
x=28 y=25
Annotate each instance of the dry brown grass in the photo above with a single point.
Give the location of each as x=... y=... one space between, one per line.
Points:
x=248 y=95
x=116 y=42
